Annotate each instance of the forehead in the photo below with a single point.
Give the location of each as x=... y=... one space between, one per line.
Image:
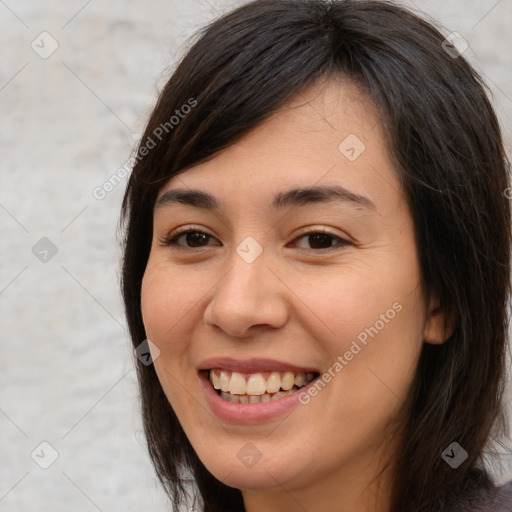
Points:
x=329 y=134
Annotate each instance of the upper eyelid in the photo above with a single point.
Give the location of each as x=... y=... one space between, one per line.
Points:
x=184 y=230
x=306 y=231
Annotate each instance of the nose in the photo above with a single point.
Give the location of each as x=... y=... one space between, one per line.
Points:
x=250 y=297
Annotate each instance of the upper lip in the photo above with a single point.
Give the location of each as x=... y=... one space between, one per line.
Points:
x=253 y=365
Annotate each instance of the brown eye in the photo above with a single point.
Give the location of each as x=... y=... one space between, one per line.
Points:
x=189 y=239
x=196 y=239
x=320 y=240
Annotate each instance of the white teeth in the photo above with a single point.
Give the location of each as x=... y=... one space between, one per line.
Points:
x=274 y=382
x=216 y=380
x=280 y=394
x=256 y=389
x=237 y=384
x=287 y=381
x=300 y=379
x=230 y=398
x=256 y=385
x=224 y=381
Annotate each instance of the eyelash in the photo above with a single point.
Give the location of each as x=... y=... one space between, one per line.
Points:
x=172 y=239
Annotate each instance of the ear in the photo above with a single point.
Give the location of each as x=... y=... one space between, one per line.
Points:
x=439 y=326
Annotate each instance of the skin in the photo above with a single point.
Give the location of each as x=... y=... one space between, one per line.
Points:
x=296 y=302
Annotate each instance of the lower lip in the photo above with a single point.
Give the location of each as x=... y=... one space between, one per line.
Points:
x=248 y=414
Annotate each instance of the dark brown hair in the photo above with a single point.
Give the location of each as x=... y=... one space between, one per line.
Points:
x=447 y=149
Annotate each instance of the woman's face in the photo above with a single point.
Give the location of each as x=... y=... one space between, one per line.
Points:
x=300 y=262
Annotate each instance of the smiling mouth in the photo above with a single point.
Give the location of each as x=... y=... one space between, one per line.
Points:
x=255 y=388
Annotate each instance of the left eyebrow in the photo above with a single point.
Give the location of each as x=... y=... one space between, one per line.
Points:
x=293 y=197
x=319 y=194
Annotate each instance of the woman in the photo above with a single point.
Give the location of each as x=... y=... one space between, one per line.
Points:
x=317 y=247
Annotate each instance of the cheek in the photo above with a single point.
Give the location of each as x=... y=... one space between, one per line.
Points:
x=374 y=324
x=166 y=311
x=373 y=320
x=156 y=305
x=361 y=304
x=171 y=305
x=166 y=301
x=162 y=307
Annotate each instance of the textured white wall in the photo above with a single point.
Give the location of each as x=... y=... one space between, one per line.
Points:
x=68 y=122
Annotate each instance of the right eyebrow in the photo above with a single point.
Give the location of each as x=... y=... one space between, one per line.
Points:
x=189 y=197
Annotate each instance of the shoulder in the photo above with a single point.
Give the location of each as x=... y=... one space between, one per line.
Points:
x=483 y=496
x=501 y=498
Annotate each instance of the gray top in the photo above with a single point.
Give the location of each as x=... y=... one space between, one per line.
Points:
x=483 y=498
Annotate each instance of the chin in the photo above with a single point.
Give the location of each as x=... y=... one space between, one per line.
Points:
x=259 y=477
